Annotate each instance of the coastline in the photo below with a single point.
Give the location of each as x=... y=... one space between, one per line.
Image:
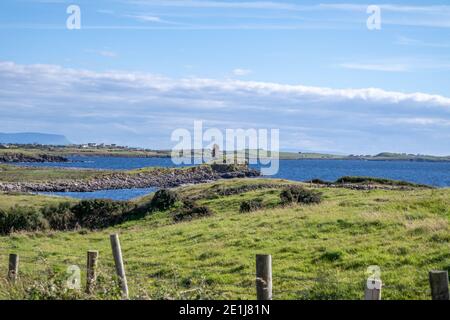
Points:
x=26 y=153
x=144 y=178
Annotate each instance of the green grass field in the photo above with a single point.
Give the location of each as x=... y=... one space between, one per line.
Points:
x=318 y=251
x=11 y=173
x=8 y=200
x=74 y=151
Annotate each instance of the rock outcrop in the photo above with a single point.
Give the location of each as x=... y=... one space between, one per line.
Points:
x=157 y=177
x=21 y=157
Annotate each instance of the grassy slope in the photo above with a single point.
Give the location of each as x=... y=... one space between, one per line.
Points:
x=9 y=173
x=8 y=200
x=406 y=233
x=70 y=151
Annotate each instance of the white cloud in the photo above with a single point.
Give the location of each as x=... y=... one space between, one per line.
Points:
x=241 y=72
x=264 y=5
x=106 y=53
x=145 y=18
x=136 y=80
x=141 y=109
x=397 y=65
x=343 y=15
x=150 y=18
x=103 y=53
x=420 y=121
x=430 y=9
x=376 y=67
x=291 y=6
x=406 y=41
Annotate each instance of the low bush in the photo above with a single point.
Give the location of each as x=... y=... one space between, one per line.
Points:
x=251 y=205
x=21 y=219
x=99 y=213
x=60 y=217
x=331 y=256
x=163 y=200
x=319 y=181
x=286 y=196
x=297 y=194
x=381 y=181
x=91 y=214
x=191 y=211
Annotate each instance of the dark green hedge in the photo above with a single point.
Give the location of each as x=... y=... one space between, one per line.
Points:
x=297 y=194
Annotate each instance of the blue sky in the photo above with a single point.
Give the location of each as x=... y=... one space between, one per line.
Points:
x=138 y=69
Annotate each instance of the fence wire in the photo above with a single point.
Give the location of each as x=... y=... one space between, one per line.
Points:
x=184 y=283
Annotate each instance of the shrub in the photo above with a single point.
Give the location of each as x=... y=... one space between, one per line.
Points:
x=21 y=219
x=286 y=196
x=191 y=211
x=331 y=256
x=60 y=217
x=319 y=181
x=251 y=205
x=3 y=222
x=308 y=196
x=163 y=199
x=98 y=213
x=297 y=194
x=381 y=181
x=92 y=214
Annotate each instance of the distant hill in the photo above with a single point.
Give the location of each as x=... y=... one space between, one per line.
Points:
x=33 y=137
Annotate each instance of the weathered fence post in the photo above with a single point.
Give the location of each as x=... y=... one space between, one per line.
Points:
x=373 y=289
x=91 y=271
x=439 y=285
x=13 y=268
x=120 y=269
x=263 y=277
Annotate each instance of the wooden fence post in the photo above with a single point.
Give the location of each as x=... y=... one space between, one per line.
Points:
x=373 y=289
x=13 y=268
x=120 y=269
x=439 y=285
x=91 y=271
x=263 y=277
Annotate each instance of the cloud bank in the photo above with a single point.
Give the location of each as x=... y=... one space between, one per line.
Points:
x=142 y=109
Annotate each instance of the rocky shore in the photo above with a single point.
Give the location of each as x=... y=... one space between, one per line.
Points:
x=11 y=157
x=157 y=177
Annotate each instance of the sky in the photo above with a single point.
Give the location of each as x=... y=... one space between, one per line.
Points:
x=137 y=70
